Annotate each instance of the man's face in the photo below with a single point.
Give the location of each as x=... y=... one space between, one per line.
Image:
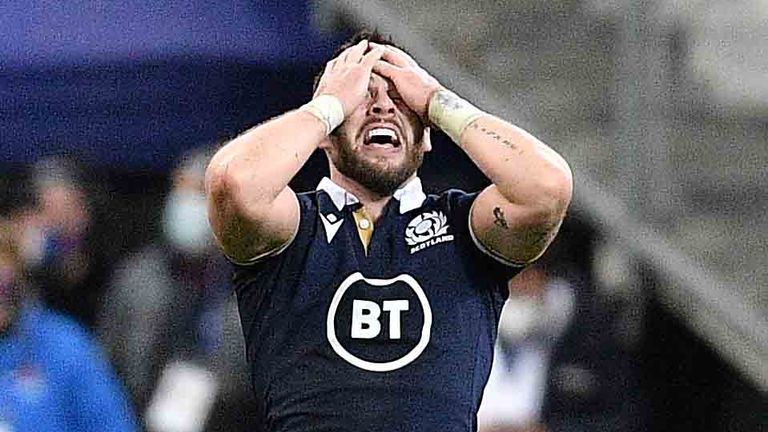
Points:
x=382 y=142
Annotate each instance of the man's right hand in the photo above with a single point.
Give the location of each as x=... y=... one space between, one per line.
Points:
x=347 y=76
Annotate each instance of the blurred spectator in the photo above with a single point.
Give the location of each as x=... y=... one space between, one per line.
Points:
x=567 y=357
x=57 y=243
x=169 y=319
x=594 y=381
x=538 y=310
x=53 y=376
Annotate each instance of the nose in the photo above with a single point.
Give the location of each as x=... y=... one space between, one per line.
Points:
x=381 y=104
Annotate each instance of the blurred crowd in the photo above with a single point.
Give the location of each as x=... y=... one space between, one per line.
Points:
x=90 y=339
x=148 y=339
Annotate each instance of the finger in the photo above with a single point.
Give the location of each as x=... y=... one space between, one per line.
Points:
x=354 y=53
x=342 y=57
x=396 y=56
x=402 y=54
x=373 y=56
x=386 y=69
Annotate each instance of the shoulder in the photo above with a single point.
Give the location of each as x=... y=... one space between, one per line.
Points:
x=59 y=334
x=307 y=200
x=456 y=203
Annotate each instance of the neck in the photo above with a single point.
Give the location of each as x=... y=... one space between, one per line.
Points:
x=372 y=202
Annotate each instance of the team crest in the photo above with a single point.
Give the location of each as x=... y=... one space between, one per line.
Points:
x=426 y=230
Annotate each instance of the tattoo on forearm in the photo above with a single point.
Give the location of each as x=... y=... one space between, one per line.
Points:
x=451 y=102
x=498 y=218
x=496 y=136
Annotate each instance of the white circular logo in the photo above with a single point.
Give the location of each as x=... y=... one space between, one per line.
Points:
x=396 y=306
x=426 y=226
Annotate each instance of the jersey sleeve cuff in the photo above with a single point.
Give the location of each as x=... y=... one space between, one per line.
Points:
x=270 y=253
x=262 y=256
x=491 y=253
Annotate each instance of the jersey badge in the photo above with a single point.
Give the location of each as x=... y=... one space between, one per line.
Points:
x=427 y=230
x=331 y=223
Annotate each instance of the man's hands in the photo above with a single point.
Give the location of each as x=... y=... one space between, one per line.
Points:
x=414 y=84
x=348 y=75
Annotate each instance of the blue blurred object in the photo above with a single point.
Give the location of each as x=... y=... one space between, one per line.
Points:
x=53 y=377
x=132 y=85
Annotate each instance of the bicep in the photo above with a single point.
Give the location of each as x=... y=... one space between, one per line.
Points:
x=517 y=234
x=247 y=231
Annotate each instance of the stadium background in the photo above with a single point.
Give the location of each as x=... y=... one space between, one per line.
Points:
x=660 y=106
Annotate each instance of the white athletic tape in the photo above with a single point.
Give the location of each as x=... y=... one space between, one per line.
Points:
x=451 y=113
x=328 y=109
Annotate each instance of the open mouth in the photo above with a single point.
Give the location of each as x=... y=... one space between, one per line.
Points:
x=382 y=137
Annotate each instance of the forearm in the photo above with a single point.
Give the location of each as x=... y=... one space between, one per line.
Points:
x=523 y=169
x=261 y=161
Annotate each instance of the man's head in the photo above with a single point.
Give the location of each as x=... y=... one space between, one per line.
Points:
x=61 y=196
x=381 y=144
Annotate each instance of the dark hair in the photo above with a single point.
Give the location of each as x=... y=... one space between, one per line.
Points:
x=365 y=34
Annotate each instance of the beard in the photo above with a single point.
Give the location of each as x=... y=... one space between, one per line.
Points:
x=380 y=176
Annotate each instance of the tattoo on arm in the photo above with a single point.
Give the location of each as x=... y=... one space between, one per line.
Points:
x=498 y=218
x=495 y=135
x=451 y=102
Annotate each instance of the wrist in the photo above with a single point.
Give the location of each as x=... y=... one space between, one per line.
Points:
x=328 y=109
x=451 y=113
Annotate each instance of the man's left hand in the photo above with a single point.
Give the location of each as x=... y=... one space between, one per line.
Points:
x=415 y=85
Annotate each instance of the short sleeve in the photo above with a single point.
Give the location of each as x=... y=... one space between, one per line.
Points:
x=500 y=272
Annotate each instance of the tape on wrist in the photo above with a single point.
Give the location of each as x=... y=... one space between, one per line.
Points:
x=328 y=109
x=451 y=113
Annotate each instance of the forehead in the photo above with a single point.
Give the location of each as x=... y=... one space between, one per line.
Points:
x=379 y=82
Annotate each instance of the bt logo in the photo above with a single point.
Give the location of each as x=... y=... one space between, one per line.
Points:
x=379 y=325
x=365 y=318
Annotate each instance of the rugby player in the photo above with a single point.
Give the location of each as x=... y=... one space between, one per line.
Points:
x=367 y=305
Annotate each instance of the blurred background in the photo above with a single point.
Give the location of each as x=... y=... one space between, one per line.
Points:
x=650 y=312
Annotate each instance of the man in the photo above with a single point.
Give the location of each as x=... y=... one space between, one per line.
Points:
x=53 y=376
x=167 y=309
x=367 y=305
x=539 y=308
x=59 y=244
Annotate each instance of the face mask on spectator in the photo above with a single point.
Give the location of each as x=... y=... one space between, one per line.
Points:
x=46 y=248
x=185 y=222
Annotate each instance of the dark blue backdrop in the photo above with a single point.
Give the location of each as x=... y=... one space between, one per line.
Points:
x=132 y=84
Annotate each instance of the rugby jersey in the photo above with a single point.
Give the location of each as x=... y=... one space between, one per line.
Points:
x=354 y=327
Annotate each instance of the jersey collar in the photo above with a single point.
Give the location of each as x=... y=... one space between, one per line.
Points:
x=411 y=196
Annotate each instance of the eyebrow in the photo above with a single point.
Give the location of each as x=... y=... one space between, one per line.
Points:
x=391 y=89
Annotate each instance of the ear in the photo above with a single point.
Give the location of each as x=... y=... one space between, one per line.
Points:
x=426 y=140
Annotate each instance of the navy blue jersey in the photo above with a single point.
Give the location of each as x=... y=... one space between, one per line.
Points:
x=394 y=337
